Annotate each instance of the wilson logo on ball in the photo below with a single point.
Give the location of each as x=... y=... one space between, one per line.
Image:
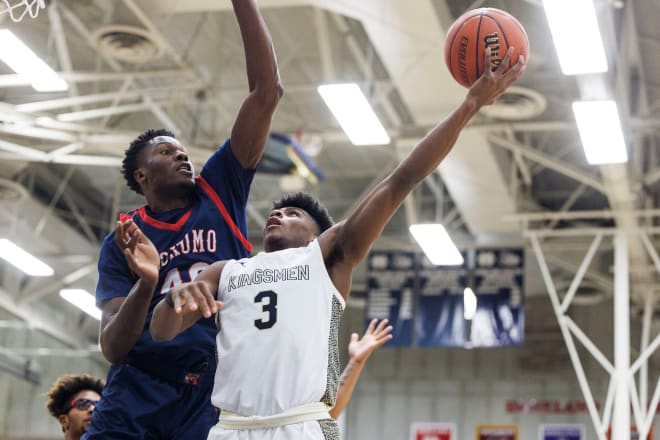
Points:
x=493 y=41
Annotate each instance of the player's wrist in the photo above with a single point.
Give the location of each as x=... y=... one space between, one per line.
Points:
x=358 y=361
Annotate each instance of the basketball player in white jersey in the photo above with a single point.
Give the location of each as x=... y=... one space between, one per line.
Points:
x=279 y=311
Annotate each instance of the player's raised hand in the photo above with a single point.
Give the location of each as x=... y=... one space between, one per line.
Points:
x=192 y=297
x=375 y=336
x=494 y=83
x=141 y=254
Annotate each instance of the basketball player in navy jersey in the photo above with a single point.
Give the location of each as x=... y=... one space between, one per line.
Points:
x=162 y=390
x=279 y=310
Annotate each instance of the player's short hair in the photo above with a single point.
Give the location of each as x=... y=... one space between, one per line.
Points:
x=130 y=162
x=310 y=205
x=65 y=387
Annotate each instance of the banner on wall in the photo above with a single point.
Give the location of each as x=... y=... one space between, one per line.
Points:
x=433 y=431
x=496 y=432
x=439 y=321
x=424 y=303
x=498 y=285
x=561 y=432
x=390 y=285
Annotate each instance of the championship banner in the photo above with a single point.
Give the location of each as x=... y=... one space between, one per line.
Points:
x=561 y=432
x=390 y=292
x=496 y=432
x=433 y=431
x=498 y=285
x=439 y=320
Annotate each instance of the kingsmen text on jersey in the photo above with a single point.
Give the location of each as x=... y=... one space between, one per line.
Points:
x=277 y=344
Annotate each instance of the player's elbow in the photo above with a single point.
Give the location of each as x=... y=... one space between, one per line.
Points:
x=268 y=94
x=111 y=352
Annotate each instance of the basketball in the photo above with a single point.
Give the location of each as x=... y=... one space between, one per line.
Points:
x=475 y=31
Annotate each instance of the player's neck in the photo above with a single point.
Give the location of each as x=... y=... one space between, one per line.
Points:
x=160 y=204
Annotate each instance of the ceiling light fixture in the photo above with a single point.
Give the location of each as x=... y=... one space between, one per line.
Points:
x=600 y=131
x=437 y=244
x=354 y=113
x=22 y=60
x=83 y=300
x=577 y=37
x=26 y=262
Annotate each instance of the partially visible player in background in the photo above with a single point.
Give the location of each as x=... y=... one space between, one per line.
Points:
x=163 y=391
x=71 y=400
x=359 y=350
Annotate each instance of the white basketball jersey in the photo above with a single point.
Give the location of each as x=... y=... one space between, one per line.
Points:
x=278 y=337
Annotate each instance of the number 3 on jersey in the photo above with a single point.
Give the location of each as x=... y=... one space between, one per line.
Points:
x=268 y=300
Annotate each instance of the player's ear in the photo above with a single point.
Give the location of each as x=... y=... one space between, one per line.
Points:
x=139 y=176
x=64 y=422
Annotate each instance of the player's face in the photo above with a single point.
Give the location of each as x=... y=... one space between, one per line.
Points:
x=77 y=420
x=166 y=167
x=288 y=227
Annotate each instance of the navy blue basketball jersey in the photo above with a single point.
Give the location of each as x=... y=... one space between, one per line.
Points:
x=213 y=227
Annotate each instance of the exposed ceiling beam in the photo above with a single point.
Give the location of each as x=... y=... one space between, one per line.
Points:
x=52 y=104
x=68 y=336
x=549 y=162
x=15 y=80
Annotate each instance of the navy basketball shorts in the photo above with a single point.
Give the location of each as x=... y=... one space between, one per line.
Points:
x=137 y=405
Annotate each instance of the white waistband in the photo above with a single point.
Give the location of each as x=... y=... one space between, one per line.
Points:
x=298 y=414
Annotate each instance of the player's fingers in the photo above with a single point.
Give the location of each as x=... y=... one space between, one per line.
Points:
x=178 y=302
x=504 y=65
x=380 y=342
x=119 y=234
x=354 y=337
x=370 y=328
x=487 y=61
x=205 y=302
x=208 y=297
x=381 y=325
x=386 y=331
x=517 y=70
x=191 y=304
x=219 y=305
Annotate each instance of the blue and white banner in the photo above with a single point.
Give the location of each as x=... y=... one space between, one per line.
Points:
x=439 y=320
x=498 y=285
x=424 y=303
x=390 y=285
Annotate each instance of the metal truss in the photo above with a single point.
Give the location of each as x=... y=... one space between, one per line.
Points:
x=622 y=391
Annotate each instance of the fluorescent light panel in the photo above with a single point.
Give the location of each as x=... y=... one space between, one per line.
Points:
x=436 y=244
x=469 y=304
x=353 y=112
x=26 y=262
x=576 y=35
x=600 y=131
x=83 y=300
x=22 y=60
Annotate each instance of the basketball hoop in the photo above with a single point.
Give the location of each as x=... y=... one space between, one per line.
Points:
x=19 y=9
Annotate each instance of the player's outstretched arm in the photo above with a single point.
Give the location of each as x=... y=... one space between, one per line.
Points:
x=185 y=304
x=123 y=318
x=359 y=351
x=252 y=124
x=347 y=243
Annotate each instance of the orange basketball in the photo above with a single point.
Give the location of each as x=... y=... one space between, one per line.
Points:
x=477 y=30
